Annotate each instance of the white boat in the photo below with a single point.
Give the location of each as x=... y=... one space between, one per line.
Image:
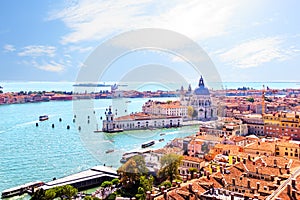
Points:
x=43 y=117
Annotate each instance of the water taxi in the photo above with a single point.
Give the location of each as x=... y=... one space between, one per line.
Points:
x=110 y=151
x=43 y=117
x=148 y=144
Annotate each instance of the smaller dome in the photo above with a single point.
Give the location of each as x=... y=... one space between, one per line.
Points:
x=201 y=91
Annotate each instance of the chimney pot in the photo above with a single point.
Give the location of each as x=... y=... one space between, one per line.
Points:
x=278 y=181
x=294 y=182
x=233 y=181
x=257 y=185
x=165 y=194
x=289 y=188
x=190 y=187
x=248 y=183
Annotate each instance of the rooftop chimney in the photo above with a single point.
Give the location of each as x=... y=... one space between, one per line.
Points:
x=190 y=187
x=289 y=189
x=280 y=170
x=257 y=185
x=272 y=177
x=244 y=161
x=165 y=194
x=233 y=181
x=162 y=188
x=248 y=183
x=278 y=181
x=256 y=170
x=275 y=162
x=249 y=158
x=293 y=182
x=148 y=193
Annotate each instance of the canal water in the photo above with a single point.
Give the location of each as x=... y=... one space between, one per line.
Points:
x=30 y=153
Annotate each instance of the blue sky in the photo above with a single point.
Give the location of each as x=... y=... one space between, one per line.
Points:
x=257 y=40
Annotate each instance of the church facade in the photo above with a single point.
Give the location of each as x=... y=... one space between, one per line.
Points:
x=200 y=101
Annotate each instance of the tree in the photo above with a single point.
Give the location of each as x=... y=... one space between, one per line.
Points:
x=192 y=170
x=169 y=166
x=38 y=195
x=167 y=184
x=91 y=198
x=69 y=191
x=141 y=195
x=250 y=99
x=146 y=183
x=133 y=169
x=190 y=111
x=49 y=195
x=106 y=184
x=115 y=181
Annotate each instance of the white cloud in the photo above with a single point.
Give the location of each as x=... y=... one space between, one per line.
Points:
x=80 y=49
x=38 y=50
x=51 y=66
x=93 y=19
x=257 y=52
x=9 y=48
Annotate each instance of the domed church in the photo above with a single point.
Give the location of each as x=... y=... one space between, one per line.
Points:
x=200 y=100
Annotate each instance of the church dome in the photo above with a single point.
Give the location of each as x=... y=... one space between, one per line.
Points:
x=201 y=90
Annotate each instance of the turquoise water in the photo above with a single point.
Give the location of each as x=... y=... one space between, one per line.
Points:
x=30 y=153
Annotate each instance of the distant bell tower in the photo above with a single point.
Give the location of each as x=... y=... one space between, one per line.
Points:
x=108 y=124
x=201 y=82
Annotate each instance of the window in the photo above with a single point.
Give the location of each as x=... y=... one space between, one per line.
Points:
x=291 y=154
x=286 y=153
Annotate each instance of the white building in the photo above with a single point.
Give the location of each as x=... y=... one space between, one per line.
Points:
x=172 y=108
x=140 y=120
x=201 y=102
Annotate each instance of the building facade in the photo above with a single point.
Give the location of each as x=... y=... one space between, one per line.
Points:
x=136 y=121
x=200 y=101
x=282 y=124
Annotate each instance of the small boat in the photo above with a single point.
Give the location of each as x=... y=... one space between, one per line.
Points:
x=116 y=130
x=43 y=117
x=161 y=140
x=128 y=101
x=110 y=151
x=162 y=134
x=148 y=144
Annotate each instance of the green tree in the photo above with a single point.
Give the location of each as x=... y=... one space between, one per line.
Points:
x=193 y=170
x=167 y=184
x=250 y=99
x=146 y=183
x=38 y=195
x=169 y=166
x=115 y=181
x=133 y=169
x=49 y=195
x=69 y=191
x=190 y=111
x=106 y=184
x=141 y=194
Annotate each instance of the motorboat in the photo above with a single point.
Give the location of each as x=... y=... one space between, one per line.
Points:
x=43 y=117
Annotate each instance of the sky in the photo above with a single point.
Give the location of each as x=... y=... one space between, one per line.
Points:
x=247 y=40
